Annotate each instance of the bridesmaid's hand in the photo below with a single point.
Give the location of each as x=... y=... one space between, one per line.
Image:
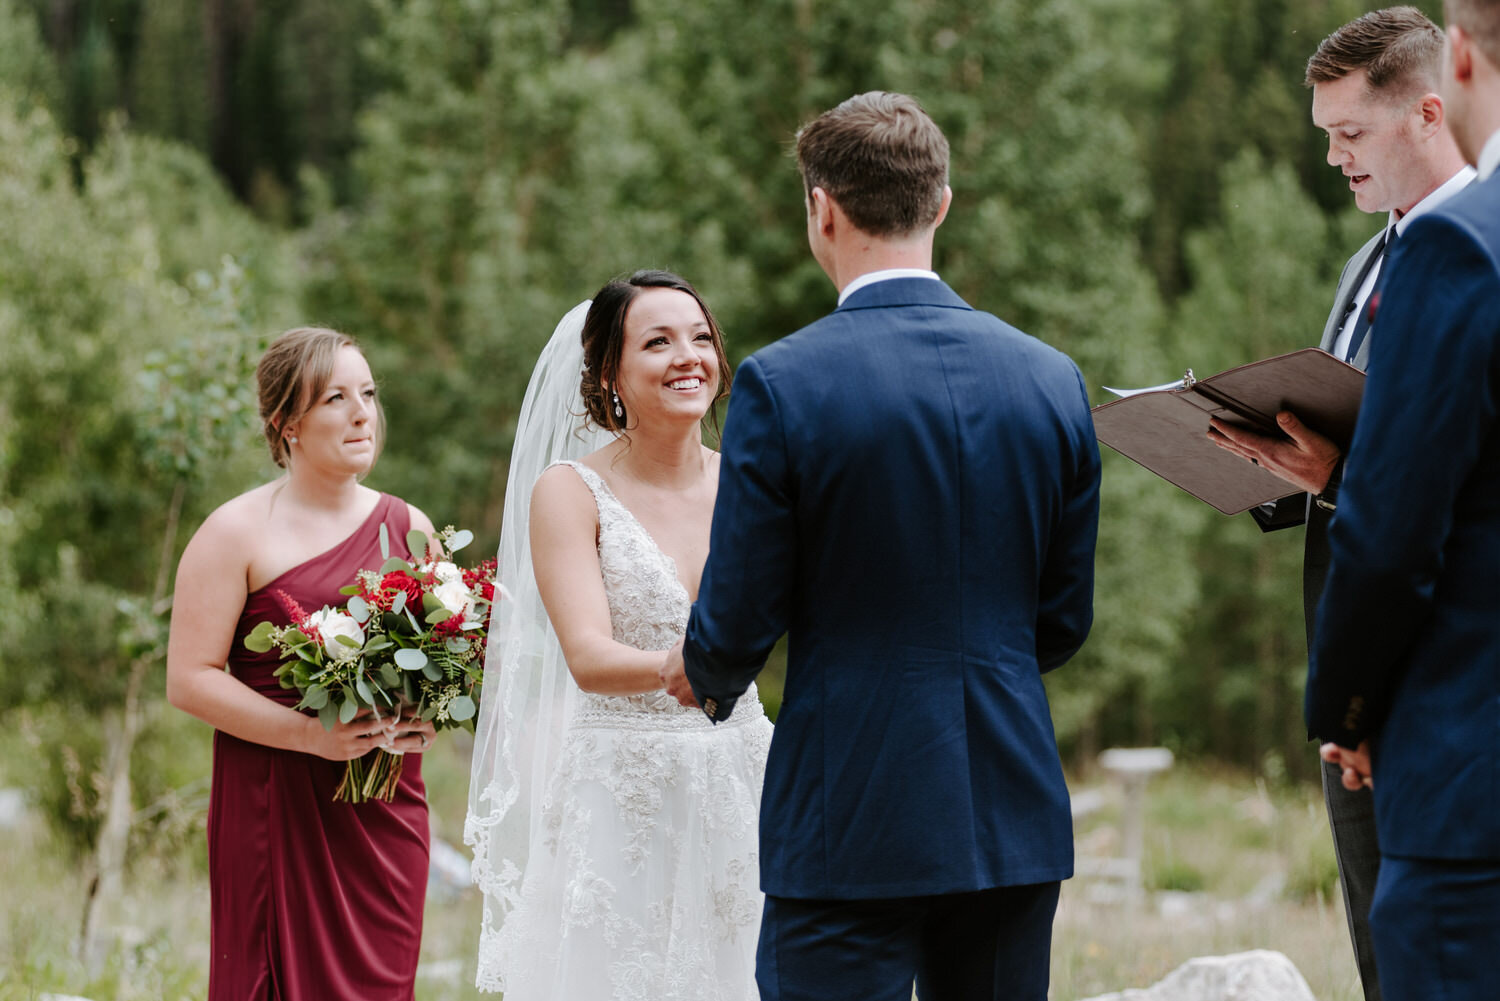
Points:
x=412 y=736
x=347 y=741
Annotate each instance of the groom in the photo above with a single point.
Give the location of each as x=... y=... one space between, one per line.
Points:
x=909 y=488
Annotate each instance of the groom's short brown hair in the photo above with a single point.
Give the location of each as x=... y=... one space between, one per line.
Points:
x=880 y=158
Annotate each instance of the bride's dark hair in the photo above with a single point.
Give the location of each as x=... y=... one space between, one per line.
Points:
x=604 y=340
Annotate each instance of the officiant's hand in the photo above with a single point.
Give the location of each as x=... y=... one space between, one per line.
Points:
x=674 y=678
x=1307 y=460
x=1354 y=764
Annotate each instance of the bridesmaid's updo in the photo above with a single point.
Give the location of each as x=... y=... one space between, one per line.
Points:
x=604 y=341
x=293 y=373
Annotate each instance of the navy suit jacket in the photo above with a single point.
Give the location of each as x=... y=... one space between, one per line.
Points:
x=909 y=489
x=1407 y=647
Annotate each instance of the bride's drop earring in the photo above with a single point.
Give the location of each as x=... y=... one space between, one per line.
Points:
x=291 y=439
x=619 y=410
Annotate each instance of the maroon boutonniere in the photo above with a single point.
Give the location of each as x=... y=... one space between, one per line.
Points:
x=1372 y=307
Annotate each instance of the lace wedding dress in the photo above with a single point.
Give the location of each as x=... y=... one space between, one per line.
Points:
x=645 y=885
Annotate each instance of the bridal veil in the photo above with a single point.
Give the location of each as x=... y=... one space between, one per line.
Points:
x=527 y=693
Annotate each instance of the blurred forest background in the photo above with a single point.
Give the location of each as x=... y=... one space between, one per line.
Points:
x=1137 y=182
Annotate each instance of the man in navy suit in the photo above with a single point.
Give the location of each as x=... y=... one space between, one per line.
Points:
x=909 y=490
x=1405 y=673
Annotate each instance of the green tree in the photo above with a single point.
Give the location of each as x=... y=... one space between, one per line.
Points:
x=1262 y=281
x=125 y=345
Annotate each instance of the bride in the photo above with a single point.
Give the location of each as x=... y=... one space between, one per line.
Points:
x=614 y=832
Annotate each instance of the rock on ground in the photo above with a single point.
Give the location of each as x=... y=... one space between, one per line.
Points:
x=1261 y=975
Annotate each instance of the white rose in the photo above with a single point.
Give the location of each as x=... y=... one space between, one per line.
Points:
x=331 y=624
x=447 y=572
x=454 y=595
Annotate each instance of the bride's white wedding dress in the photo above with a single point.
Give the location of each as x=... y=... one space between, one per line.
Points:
x=644 y=886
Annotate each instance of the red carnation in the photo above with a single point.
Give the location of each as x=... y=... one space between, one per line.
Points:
x=400 y=580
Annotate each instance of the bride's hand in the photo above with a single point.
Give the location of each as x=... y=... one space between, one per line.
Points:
x=674 y=678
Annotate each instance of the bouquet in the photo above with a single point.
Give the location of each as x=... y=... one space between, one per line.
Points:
x=409 y=641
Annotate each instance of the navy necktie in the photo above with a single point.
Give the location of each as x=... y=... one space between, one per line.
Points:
x=1362 y=322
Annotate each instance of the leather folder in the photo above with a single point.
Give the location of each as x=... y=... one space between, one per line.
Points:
x=1165 y=428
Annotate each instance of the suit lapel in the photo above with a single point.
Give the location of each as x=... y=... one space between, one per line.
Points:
x=1349 y=283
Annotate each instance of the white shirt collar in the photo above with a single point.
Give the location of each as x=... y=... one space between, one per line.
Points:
x=1489 y=157
x=871 y=277
x=1435 y=197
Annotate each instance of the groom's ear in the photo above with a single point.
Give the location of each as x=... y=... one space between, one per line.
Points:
x=821 y=211
x=942 y=212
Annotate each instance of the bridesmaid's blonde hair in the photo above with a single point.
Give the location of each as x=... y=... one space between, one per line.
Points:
x=293 y=373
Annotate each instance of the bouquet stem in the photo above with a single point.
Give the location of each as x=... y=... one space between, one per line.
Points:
x=374 y=776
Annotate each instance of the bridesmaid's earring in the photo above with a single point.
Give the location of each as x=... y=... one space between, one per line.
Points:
x=619 y=410
x=291 y=439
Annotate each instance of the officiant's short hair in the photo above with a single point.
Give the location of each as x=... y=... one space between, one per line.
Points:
x=1399 y=48
x=881 y=158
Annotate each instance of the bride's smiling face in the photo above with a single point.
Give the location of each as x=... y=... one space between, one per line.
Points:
x=669 y=364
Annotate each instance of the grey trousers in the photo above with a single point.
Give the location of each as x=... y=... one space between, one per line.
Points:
x=1351 y=815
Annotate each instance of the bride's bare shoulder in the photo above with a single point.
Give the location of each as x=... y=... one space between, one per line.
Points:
x=560 y=485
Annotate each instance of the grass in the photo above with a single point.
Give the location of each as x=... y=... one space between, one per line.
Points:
x=1230 y=865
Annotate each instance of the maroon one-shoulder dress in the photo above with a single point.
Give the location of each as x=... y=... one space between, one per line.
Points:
x=312 y=900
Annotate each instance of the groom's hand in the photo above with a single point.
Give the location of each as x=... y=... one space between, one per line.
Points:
x=674 y=678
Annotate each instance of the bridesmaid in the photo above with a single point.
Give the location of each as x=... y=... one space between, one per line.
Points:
x=312 y=900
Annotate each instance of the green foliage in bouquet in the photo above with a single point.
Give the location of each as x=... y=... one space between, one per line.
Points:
x=409 y=643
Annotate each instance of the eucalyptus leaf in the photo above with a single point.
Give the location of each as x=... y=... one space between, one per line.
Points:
x=389 y=676
x=410 y=659
x=462 y=708
x=315 y=697
x=432 y=671
x=430 y=603
x=347 y=711
x=438 y=615
x=359 y=609
x=350 y=589
x=398 y=605
x=377 y=643
x=460 y=538
x=393 y=564
x=343 y=640
x=416 y=543
x=328 y=715
x=457 y=644
x=259 y=639
x=385 y=542
x=363 y=688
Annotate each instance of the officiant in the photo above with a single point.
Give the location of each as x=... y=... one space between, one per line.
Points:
x=1374 y=84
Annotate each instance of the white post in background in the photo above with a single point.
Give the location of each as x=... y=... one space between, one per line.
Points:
x=1131 y=767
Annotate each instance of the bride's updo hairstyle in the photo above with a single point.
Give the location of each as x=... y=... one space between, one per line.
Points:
x=604 y=341
x=290 y=377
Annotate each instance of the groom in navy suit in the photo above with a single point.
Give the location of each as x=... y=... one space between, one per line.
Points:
x=909 y=488
x=1405 y=674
